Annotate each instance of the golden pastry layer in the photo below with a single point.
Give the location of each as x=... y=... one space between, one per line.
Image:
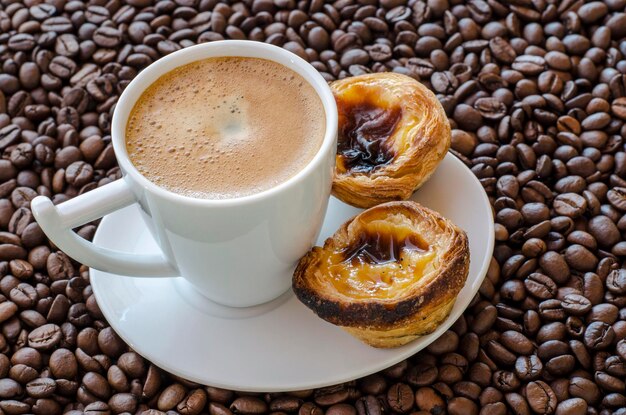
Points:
x=393 y=132
x=388 y=275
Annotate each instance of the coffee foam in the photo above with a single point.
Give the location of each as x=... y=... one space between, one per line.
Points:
x=225 y=127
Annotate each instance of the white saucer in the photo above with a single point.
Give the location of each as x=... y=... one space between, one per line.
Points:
x=282 y=345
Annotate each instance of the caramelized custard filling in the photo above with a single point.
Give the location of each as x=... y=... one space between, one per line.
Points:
x=381 y=263
x=366 y=122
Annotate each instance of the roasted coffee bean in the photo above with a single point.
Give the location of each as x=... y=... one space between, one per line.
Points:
x=97 y=385
x=63 y=364
x=570 y=204
x=331 y=395
x=21 y=269
x=575 y=304
x=427 y=399
x=248 y=405
x=551 y=331
x=59 y=266
x=505 y=381
x=24 y=295
x=41 y=388
x=45 y=337
x=123 y=403
x=529 y=64
x=540 y=286
x=462 y=405
x=616 y=281
x=78 y=174
x=617 y=198
x=580 y=387
x=554 y=266
x=195 y=401
x=516 y=342
x=598 y=335
x=341 y=409
x=528 y=367
x=62 y=67
x=573 y=406
x=400 y=398
x=171 y=397
x=9 y=389
x=117 y=379
x=541 y=397
x=551 y=310
x=22 y=373
x=607 y=313
x=609 y=383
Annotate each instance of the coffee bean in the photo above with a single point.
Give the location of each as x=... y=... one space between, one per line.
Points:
x=59 y=266
x=400 y=398
x=171 y=397
x=467 y=117
x=428 y=400
x=9 y=84
x=554 y=266
x=462 y=405
x=341 y=409
x=41 y=388
x=117 y=379
x=529 y=64
x=569 y=204
x=616 y=281
x=573 y=406
x=490 y=108
x=195 y=401
x=528 y=367
x=63 y=364
x=609 y=383
x=541 y=397
x=540 y=286
x=505 y=381
x=618 y=107
x=24 y=295
x=58 y=309
x=123 y=402
x=22 y=373
x=617 y=198
x=502 y=50
x=551 y=310
x=45 y=337
x=97 y=385
x=248 y=405
x=575 y=304
x=27 y=356
x=580 y=258
x=516 y=342
x=331 y=395
x=62 y=67
x=598 y=335
x=7 y=310
x=9 y=389
x=584 y=388
x=78 y=174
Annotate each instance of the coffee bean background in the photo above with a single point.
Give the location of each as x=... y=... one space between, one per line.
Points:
x=536 y=94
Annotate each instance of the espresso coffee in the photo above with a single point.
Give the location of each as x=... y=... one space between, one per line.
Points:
x=226 y=127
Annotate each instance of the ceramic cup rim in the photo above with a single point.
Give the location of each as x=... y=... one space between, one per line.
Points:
x=222 y=48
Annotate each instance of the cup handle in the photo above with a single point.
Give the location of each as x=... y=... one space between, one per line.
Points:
x=57 y=223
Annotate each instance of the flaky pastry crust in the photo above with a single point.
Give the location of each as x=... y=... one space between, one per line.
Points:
x=386 y=293
x=393 y=132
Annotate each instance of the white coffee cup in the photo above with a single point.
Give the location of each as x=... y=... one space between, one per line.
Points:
x=237 y=252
